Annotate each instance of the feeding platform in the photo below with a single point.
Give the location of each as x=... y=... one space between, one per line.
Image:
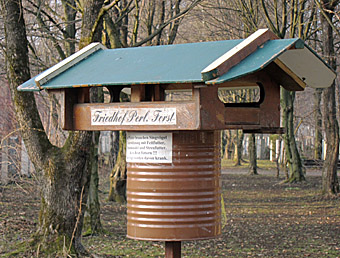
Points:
x=260 y=62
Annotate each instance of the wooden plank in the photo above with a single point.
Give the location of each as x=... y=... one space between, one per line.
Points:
x=276 y=130
x=177 y=86
x=245 y=81
x=187 y=116
x=234 y=56
x=242 y=127
x=242 y=116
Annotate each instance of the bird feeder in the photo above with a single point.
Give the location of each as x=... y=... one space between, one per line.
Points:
x=173 y=146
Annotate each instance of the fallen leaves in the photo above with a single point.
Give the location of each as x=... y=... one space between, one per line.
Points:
x=264 y=219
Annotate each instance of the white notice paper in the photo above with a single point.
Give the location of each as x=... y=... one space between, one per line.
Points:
x=144 y=147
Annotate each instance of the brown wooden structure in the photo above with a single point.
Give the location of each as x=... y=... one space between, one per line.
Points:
x=173 y=149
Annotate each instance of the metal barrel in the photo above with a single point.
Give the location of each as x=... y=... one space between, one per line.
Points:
x=177 y=201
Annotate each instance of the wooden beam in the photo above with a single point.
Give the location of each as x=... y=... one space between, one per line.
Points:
x=173 y=249
x=159 y=93
x=67 y=63
x=234 y=56
x=83 y=95
x=67 y=99
x=137 y=93
x=275 y=130
x=301 y=84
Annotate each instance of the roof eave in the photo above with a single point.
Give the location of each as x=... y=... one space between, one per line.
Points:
x=290 y=72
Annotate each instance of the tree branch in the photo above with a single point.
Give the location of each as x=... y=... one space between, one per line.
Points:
x=102 y=11
x=136 y=25
x=269 y=20
x=50 y=35
x=323 y=12
x=176 y=17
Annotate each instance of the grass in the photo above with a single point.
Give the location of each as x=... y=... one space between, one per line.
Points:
x=262 y=164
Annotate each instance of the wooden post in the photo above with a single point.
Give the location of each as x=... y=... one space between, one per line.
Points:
x=173 y=249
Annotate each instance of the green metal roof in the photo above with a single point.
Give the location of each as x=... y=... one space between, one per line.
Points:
x=259 y=59
x=144 y=65
x=29 y=85
x=180 y=63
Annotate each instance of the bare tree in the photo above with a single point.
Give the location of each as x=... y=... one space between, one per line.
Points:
x=295 y=18
x=252 y=155
x=65 y=177
x=330 y=183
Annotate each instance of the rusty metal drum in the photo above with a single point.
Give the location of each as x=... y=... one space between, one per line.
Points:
x=179 y=200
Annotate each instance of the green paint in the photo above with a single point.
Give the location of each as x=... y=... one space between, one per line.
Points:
x=182 y=63
x=299 y=44
x=207 y=76
x=257 y=60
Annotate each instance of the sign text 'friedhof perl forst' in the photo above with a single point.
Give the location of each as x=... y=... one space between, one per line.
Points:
x=133 y=116
x=144 y=147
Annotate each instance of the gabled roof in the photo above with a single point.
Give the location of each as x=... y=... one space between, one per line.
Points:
x=182 y=63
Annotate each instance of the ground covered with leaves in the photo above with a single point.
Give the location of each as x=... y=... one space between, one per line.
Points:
x=264 y=219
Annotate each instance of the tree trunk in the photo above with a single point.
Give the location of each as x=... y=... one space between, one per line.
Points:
x=118 y=174
x=277 y=157
x=292 y=153
x=65 y=177
x=238 y=147
x=227 y=144
x=318 y=124
x=174 y=25
x=330 y=183
x=252 y=155
x=70 y=13
x=90 y=34
x=64 y=194
x=92 y=223
x=224 y=140
x=114 y=135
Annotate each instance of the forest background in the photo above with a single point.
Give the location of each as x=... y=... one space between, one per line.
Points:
x=37 y=34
